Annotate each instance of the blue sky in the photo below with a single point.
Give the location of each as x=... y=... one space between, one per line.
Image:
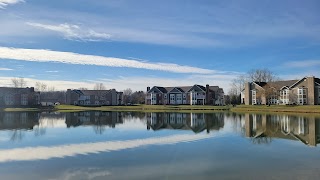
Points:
x=135 y=44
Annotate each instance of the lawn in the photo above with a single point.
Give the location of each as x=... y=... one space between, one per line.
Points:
x=277 y=108
x=182 y=108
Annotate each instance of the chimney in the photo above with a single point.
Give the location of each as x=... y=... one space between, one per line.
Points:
x=207 y=95
x=148 y=89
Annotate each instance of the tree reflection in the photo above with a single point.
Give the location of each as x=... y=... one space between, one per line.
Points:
x=16 y=135
x=261 y=140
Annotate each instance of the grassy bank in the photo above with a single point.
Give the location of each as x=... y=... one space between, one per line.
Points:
x=180 y=108
x=276 y=108
x=153 y=108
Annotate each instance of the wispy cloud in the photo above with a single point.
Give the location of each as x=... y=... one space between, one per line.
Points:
x=52 y=71
x=136 y=83
x=5 y=69
x=73 y=32
x=303 y=63
x=44 y=153
x=4 y=3
x=42 y=55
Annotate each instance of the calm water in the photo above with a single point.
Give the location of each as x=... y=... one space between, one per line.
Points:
x=122 y=145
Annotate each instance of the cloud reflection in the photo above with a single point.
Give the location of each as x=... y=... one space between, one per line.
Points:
x=44 y=153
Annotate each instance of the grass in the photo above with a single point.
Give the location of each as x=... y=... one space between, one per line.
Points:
x=277 y=108
x=183 y=108
x=153 y=108
x=19 y=109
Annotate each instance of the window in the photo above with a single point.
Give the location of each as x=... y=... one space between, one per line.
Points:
x=254 y=96
x=302 y=95
x=284 y=96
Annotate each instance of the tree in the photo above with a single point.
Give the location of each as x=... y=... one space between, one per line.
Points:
x=99 y=86
x=237 y=84
x=261 y=75
x=254 y=75
x=138 y=97
x=269 y=92
x=127 y=96
x=39 y=86
x=18 y=82
x=227 y=99
x=293 y=98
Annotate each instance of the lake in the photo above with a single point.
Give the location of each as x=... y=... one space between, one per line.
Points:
x=134 y=145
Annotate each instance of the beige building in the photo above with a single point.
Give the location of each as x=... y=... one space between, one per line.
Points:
x=305 y=91
x=262 y=128
x=94 y=97
x=191 y=95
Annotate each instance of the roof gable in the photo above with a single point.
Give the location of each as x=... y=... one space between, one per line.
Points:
x=157 y=89
x=176 y=90
x=197 y=88
x=297 y=82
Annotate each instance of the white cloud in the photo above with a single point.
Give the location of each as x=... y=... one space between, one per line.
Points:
x=42 y=55
x=84 y=173
x=58 y=84
x=73 y=32
x=4 y=3
x=60 y=151
x=52 y=71
x=5 y=69
x=136 y=83
x=303 y=63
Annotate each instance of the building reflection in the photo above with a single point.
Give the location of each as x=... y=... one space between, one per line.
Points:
x=17 y=123
x=197 y=122
x=262 y=128
x=18 y=120
x=97 y=119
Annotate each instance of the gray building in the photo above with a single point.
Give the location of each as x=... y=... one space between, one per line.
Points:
x=94 y=97
x=191 y=95
x=16 y=97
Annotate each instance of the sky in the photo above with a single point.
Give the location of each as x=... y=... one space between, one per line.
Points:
x=134 y=44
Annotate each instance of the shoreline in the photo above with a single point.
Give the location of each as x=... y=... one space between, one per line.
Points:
x=314 y=109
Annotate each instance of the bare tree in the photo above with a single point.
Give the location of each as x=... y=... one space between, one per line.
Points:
x=18 y=82
x=237 y=84
x=127 y=96
x=138 y=97
x=99 y=86
x=269 y=92
x=261 y=75
x=51 y=89
x=39 y=86
x=254 y=75
x=293 y=98
x=83 y=88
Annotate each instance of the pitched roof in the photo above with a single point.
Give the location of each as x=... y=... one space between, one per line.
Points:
x=280 y=84
x=91 y=92
x=162 y=89
x=317 y=80
x=187 y=88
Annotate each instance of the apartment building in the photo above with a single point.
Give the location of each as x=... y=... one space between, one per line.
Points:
x=94 y=97
x=188 y=95
x=305 y=91
x=16 y=97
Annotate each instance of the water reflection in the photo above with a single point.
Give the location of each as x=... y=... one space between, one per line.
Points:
x=263 y=128
x=197 y=122
x=18 y=123
x=99 y=120
x=260 y=128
